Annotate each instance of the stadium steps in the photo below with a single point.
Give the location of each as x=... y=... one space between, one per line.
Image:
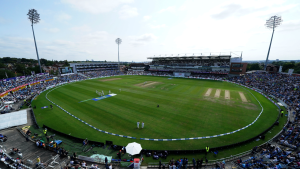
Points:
x=28 y=149
x=83 y=75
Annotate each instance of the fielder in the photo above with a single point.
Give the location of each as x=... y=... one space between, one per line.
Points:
x=138 y=124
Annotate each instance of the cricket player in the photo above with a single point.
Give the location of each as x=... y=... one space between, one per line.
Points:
x=138 y=124
x=142 y=125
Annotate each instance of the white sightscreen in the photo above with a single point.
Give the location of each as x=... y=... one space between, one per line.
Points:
x=179 y=74
x=13 y=119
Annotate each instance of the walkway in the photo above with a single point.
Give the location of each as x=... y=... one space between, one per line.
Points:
x=28 y=149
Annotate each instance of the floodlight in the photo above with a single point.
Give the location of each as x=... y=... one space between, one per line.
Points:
x=272 y=23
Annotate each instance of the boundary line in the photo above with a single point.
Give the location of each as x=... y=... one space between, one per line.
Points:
x=194 y=138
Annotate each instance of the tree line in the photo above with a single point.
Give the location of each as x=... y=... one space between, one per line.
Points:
x=13 y=67
x=285 y=66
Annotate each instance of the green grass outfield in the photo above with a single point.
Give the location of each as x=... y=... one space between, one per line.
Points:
x=184 y=111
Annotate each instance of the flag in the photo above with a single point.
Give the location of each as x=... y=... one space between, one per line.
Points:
x=44 y=107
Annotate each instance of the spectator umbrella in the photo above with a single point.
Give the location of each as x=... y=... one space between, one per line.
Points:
x=133 y=148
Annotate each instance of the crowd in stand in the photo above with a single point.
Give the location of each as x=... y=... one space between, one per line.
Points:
x=94 y=74
x=11 y=162
x=281 y=86
x=271 y=156
x=25 y=94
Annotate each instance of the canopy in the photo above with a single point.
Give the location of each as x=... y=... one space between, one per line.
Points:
x=133 y=148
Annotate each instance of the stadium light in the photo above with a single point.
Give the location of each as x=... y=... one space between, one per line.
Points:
x=34 y=18
x=118 y=41
x=272 y=23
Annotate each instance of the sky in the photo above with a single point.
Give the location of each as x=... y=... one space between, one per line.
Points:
x=86 y=29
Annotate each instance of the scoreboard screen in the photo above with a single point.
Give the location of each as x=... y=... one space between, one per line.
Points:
x=64 y=70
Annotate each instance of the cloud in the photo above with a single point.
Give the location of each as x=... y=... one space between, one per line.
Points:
x=228 y=11
x=63 y=17
x=83 y=28
x=52 y=30
x=142 y=39
x=157 y=26
x=95 y=6
x=146 y=18
x=127 y=12
x=168 y=9
x=238 y=9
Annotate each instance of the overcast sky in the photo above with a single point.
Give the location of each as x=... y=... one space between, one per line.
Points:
x=87 y=29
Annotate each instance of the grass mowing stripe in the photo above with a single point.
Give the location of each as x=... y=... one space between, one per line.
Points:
x=230 y=130
x=198 y=112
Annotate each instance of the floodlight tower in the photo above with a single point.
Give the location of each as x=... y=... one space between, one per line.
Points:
x=34 y=18
x=272 y=23
x=118 y=41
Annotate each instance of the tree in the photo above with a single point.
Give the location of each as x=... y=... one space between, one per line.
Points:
x=2 y=65
x=248 y=67
x=66 y=64
x=35 y=69
x=297 y=68
x=287 y=66
x=253 y=66
x=9 y=60
x=20 y=68
x=24 y=60
x=8 y=72
x=280 y=63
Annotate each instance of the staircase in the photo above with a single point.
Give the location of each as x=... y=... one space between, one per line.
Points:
x=82 y=75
